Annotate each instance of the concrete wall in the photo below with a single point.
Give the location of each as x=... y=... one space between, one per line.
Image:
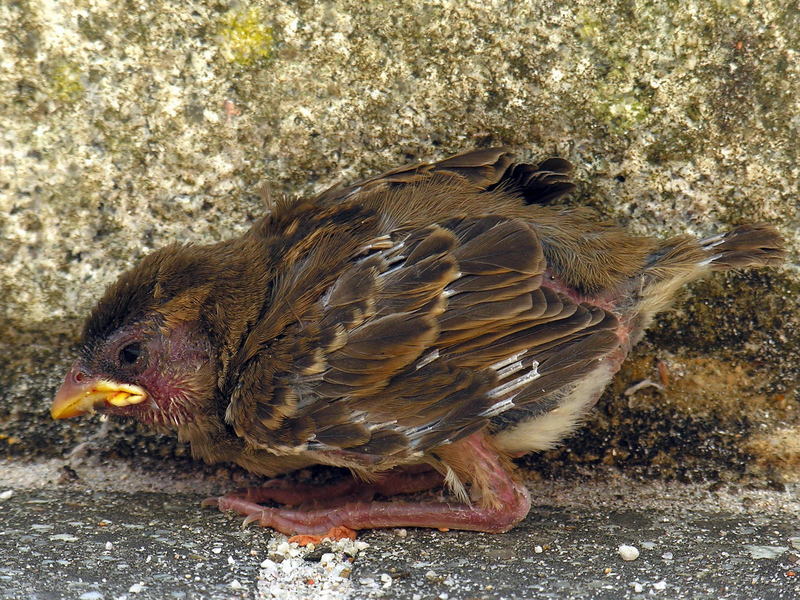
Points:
x=127 y=125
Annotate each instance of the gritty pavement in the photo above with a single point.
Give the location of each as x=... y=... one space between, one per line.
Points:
x=118 y=533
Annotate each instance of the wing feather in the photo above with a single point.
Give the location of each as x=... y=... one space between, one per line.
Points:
x=426 y=332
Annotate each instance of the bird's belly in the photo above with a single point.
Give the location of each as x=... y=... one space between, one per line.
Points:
x=543 y=431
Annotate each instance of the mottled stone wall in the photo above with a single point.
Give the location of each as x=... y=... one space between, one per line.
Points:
x=127 y=125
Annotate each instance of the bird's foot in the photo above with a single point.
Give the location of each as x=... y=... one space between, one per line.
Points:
x=348 y=503
x=372 y=515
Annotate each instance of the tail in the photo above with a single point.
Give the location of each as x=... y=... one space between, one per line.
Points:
x=683 y=259
x=744 y=247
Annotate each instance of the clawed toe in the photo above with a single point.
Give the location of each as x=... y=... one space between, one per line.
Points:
x=252 y=517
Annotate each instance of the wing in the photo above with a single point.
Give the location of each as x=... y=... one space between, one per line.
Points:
x=421 y=339
x=486 y=169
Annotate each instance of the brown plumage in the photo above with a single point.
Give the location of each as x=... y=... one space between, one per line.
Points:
x=449 y=314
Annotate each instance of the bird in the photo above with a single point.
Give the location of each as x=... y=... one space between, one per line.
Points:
x=419 y=328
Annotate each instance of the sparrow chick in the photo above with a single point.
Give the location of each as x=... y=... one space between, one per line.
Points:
x=419 y=327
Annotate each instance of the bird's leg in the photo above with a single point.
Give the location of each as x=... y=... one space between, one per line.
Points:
x=289 y=493
x=405 y=480
x=504 y=502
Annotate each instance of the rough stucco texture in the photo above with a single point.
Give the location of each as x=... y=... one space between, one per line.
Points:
x=128 y=125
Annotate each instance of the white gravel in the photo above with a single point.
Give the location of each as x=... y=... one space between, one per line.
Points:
x=286 y=575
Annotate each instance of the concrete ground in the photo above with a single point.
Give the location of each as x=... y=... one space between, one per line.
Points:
x=94 y=532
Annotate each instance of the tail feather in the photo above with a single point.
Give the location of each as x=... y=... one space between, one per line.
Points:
x=746 y=246
x=682 y=259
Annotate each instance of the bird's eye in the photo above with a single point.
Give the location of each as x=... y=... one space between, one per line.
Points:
x=130 y=354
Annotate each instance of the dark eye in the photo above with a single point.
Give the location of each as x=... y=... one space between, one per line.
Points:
x=130 y=354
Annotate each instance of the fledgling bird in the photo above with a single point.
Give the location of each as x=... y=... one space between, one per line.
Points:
x=421 y=326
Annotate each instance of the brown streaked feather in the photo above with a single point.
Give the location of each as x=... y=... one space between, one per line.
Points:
x=387 y=338
x=544 y=183
x=481 y=168
x=746 y=246
x=572 y=318
x=436 y=242
x=384 y=442
x=556 y=308
x=508 y=246
x=342 y=435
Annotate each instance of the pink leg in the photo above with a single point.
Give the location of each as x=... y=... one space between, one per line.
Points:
x=284 y=491
x=373 y=515
x=290 y=493
x=509 y=504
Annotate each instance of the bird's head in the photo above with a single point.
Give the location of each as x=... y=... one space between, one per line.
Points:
x=146 y=351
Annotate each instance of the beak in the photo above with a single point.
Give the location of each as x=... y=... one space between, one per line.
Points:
x=80 y=394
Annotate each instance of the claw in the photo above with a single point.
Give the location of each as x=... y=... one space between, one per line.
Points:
x=213 y=501
x=254 y=516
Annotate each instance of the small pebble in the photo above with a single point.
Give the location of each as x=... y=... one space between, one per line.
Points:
x=637 y=587
x=235 y=585
x=109 y=545
x=231 y=560
x=660 y=586
x=314 y=554
x=216 y=550
x=6 y=494
x=667 y=556
x=538 y=549
x=761 y=551
x=136 y=588
x=91 y=596
x=628 y=552
x=386 y=580
x=648 y=545
x=288 y=550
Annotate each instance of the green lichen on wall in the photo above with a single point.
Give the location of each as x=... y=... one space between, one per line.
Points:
x=65 y=79
x=244 y=36
x=618 y=109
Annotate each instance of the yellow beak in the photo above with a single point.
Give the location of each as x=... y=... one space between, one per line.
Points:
x=75 y=398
